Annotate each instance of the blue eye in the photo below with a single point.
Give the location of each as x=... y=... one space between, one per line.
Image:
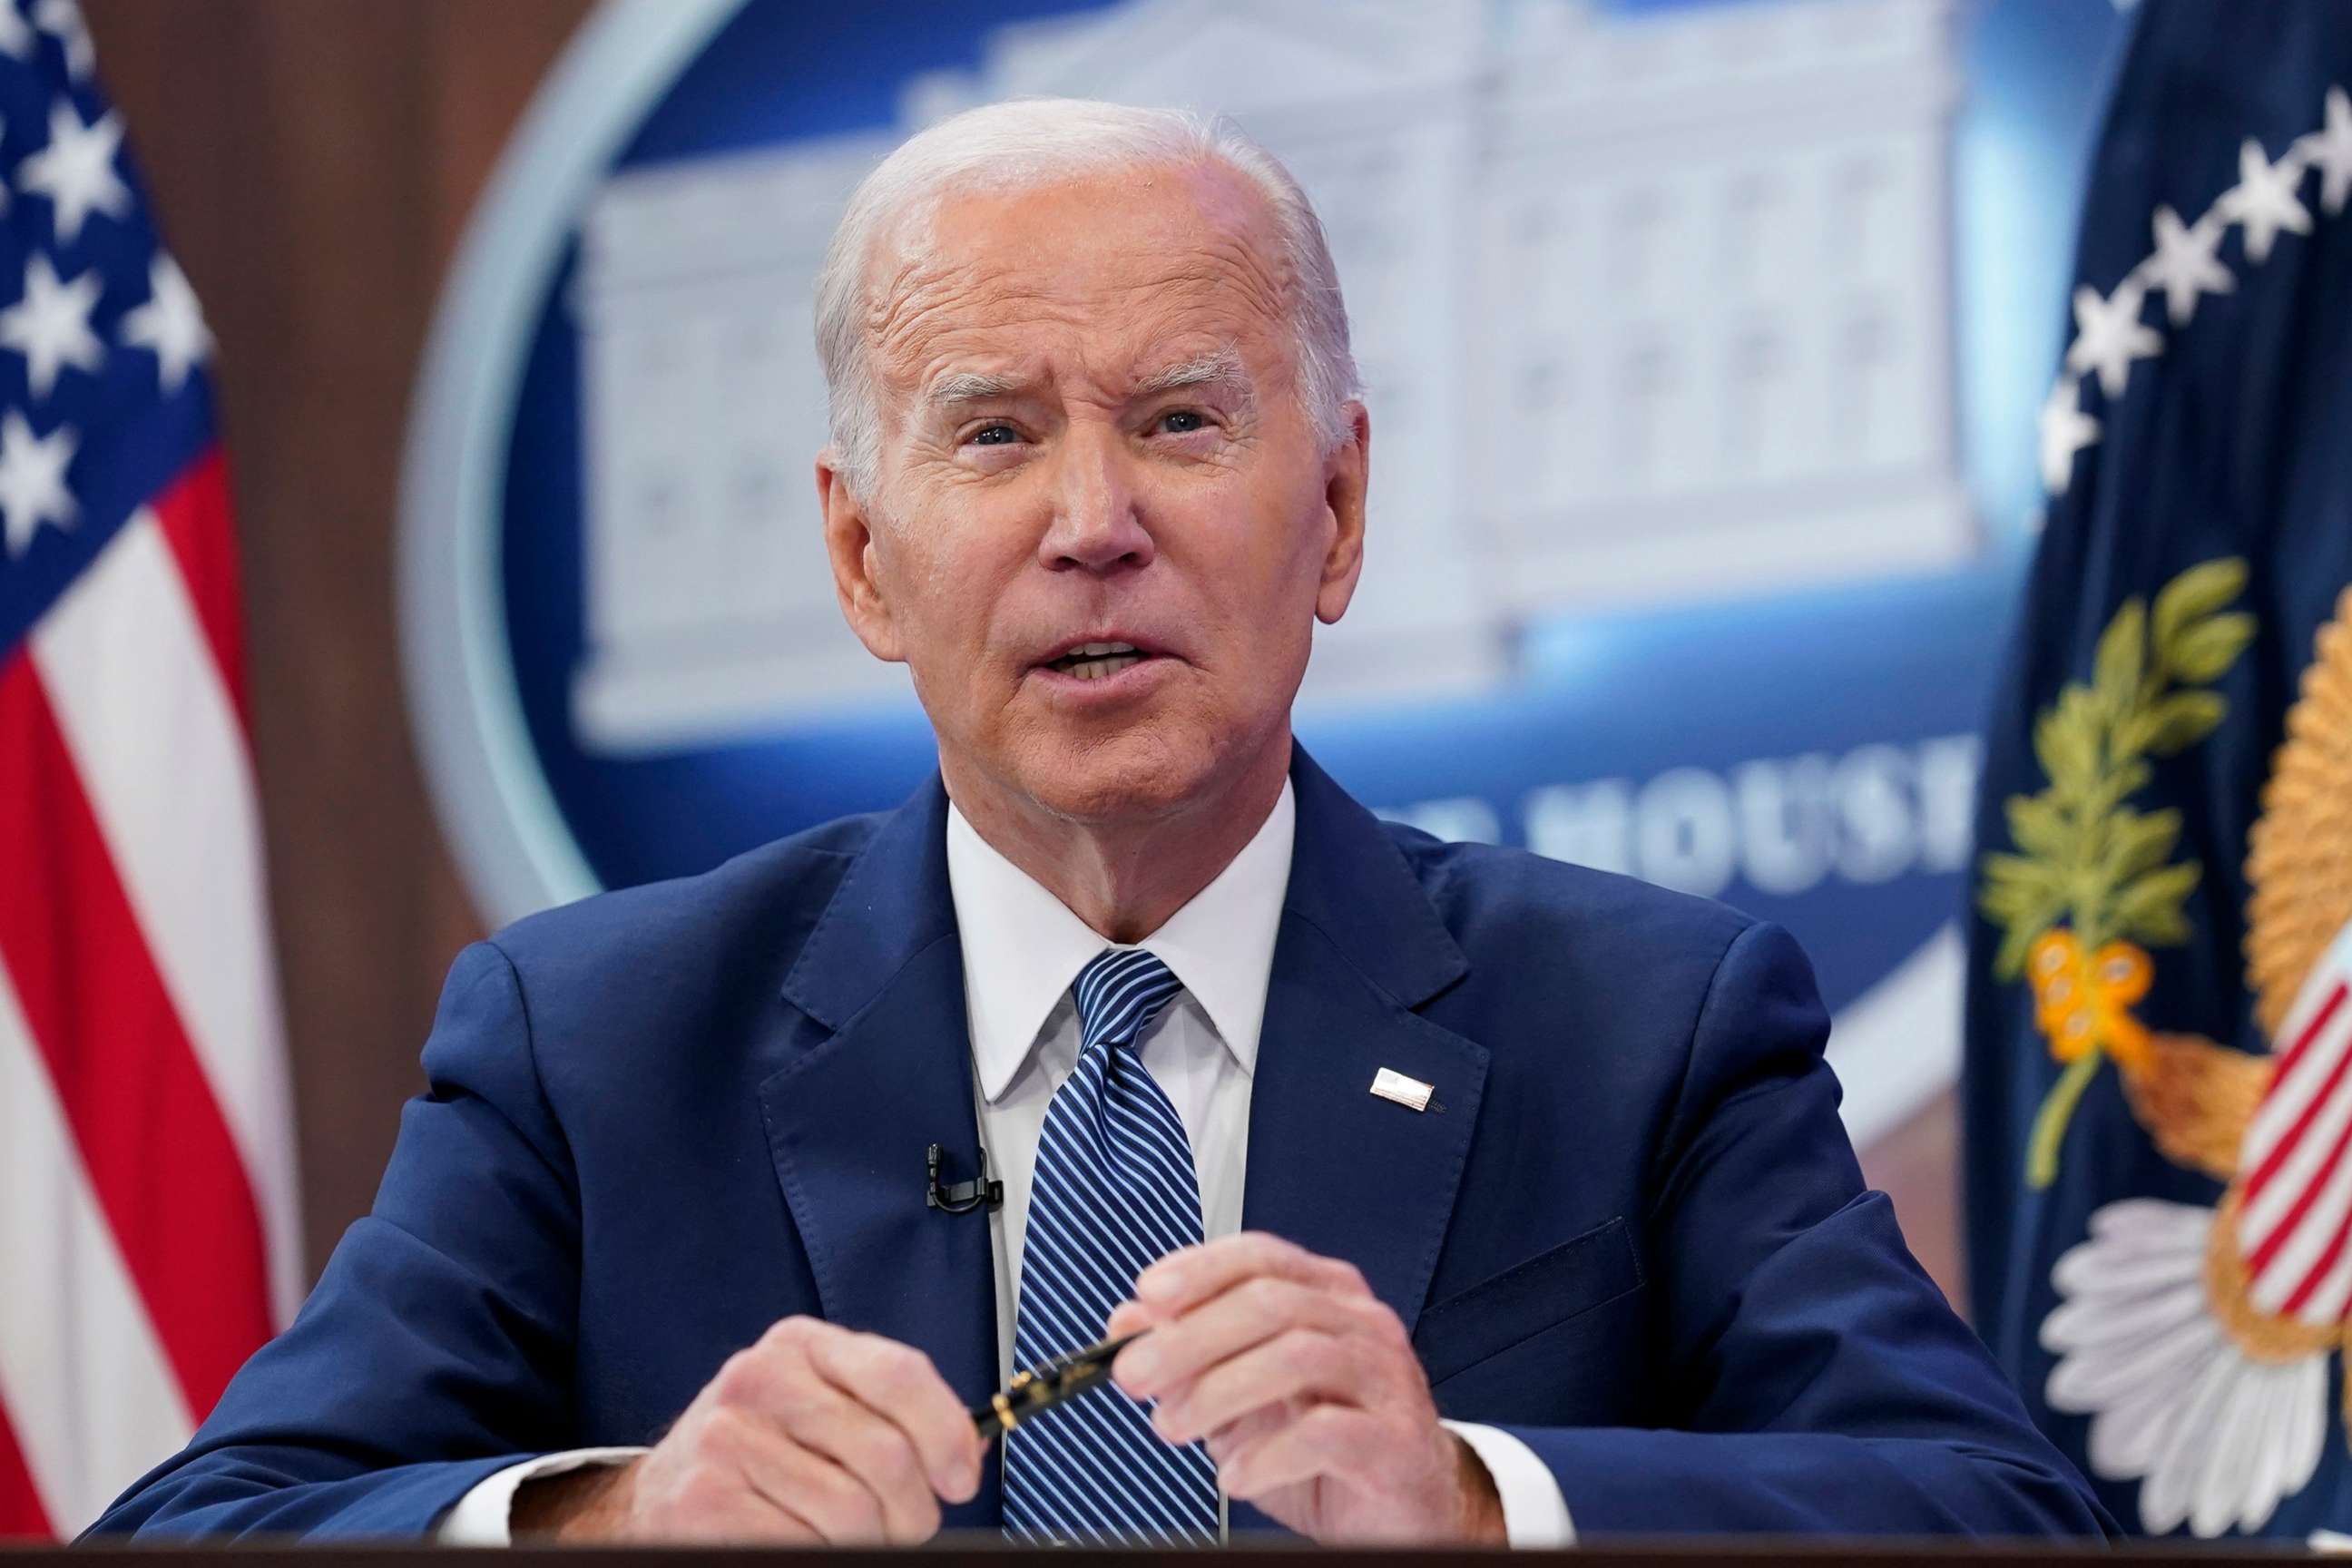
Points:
x=993 y=436
x=1182 y=421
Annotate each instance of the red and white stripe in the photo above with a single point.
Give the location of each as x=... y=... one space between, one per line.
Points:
x=147 y=1187
x=2294 y=1208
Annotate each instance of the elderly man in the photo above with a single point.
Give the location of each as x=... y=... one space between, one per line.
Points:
x=1551 y=1228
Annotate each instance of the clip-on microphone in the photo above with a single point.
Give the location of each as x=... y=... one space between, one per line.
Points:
x=964 y=1196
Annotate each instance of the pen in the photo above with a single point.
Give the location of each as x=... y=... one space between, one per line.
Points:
x=1042 y=1387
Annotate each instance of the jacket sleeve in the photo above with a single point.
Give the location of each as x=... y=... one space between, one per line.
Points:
x=437 y=1348
x=1814 y=1378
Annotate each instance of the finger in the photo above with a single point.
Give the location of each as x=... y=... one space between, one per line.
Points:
x=729 y=1512
x=1191 y=1275
x=1326 y=1442
x=779 y=1384
x=838 y=1506
x=737 y=1490
x=1233 y=1436
x=874 y=1452
x=870 y=1446
x=710 y=1498
x=1129 y=1318
x=1295 y=1362
x=900 y=1383
x=1224 y=1326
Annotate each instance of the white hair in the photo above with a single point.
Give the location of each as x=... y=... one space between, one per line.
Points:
x=1034 y=142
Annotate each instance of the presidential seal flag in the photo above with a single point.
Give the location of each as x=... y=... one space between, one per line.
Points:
x=148 y=1242
x=2159 y=1097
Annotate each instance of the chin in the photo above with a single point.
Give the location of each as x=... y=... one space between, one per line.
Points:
x=1145 y=771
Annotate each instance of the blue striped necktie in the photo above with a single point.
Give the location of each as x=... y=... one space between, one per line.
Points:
x=1114 y=1191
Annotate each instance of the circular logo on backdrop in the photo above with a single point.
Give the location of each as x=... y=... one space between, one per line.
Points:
x=1694 y=514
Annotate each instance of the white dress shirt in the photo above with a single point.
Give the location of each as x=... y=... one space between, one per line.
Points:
x=1022 y=950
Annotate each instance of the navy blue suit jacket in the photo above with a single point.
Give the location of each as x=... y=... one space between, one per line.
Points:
x=1629 y=1227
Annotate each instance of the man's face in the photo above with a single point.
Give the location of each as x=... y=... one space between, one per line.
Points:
x=1091 y=435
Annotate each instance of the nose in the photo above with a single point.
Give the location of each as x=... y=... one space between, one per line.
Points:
x=1097 y=526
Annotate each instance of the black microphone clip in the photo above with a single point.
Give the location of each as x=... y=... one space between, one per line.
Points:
x=964 y=1196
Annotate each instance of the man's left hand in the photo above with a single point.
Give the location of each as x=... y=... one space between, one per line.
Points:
x=1308 y=1391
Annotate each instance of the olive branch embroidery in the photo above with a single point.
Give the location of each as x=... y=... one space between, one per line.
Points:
x=2092 y=883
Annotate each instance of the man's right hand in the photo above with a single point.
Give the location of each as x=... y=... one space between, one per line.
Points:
x=815 y=1433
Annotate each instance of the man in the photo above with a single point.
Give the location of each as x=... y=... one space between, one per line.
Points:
x=1551 y=1225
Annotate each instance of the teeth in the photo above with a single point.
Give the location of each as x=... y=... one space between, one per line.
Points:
x=1096 y=668
x=1097 y=649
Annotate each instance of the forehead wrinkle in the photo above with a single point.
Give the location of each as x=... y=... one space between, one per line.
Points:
x=920 y=286
x=950 y=386
x=926 y=299
x=943 y=357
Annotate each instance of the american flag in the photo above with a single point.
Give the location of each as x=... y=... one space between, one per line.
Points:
x=2294 y=1211
x=2159 y=1070
x=148 y=1237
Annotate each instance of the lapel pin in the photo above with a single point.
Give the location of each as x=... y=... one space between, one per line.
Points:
x=1409 y=1092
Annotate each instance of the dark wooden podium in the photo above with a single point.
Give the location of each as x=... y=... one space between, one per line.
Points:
x=1774 y=1553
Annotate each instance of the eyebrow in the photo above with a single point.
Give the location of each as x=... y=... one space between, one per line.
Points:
x=1219 y=367
x=961 y=386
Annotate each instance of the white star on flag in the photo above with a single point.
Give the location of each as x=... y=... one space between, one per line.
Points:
x=2184 y=264
x=63 y=18
x=2109 y=335
x=76 y=170
x=17 y=40
x=2065 y=430
x=33 y=480
x=169 y=323
x=2330 y=151
x=132 y=783
x=50 y=325
x=2264 y=200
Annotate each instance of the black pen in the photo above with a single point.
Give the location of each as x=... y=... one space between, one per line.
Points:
x=1041 y=1388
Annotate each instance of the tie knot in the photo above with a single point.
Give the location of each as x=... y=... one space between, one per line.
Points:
x=1120 y=991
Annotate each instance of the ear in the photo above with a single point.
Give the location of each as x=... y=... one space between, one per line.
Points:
x=849 y=544
x=1346 y=473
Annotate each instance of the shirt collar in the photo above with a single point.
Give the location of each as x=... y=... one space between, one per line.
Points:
x=1022 y=947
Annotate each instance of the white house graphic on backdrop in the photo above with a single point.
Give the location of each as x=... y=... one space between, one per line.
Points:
x=1649 y=306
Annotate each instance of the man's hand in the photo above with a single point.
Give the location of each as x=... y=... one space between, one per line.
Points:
x=1308 y=1391
x=814 y=1434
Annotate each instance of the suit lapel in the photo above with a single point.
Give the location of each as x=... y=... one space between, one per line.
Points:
x=848 y=1118
x=1332 y=1167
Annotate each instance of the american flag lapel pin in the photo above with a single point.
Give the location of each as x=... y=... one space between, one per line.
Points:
x=1409 y=1092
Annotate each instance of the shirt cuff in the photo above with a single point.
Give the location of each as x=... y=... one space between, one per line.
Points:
x=1534 y=1511
x=482 y=1516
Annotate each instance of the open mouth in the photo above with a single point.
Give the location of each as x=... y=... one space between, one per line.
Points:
x=1097 y=660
